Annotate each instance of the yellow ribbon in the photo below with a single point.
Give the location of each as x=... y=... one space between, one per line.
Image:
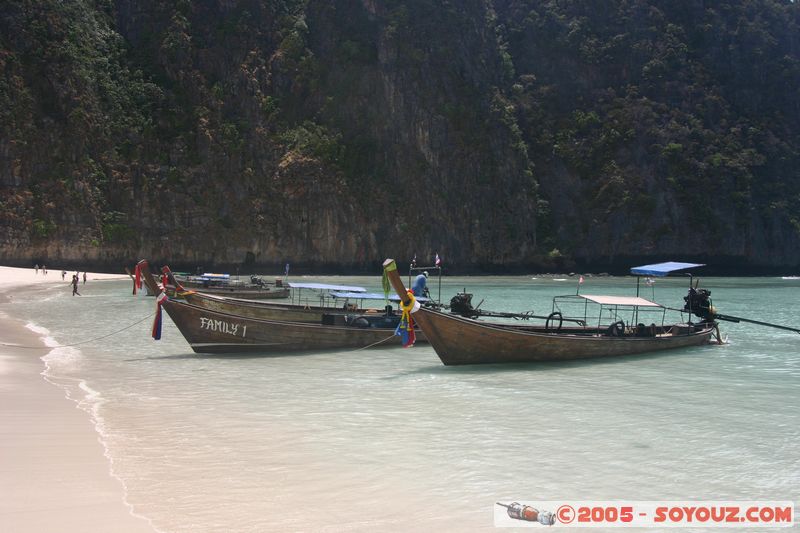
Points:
x=407 y=308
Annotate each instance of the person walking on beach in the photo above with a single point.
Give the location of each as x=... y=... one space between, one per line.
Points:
x=44 y=270
x=36 y=266
x=84 y=278
x=63 y=273
x=75 y=285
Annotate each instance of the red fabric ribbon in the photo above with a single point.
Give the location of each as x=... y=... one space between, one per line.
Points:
x=137 y=278
x=157 y=321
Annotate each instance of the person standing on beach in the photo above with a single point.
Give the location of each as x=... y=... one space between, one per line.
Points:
x=75 y=285
x=63 y=273
x=36 y=266
x=84 y=278
x=44 y=270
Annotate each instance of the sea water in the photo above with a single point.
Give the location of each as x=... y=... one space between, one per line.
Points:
x=389 y=439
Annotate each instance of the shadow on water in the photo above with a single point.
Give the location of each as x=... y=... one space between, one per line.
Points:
x=440 y=369
x=232 y=356
x=177 y=356
x=546 y=366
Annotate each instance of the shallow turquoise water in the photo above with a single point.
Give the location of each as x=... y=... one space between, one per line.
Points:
x=389 y=439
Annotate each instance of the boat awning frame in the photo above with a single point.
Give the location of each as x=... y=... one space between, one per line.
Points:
x=326 y=287
x=372 y=296
x=662 y=269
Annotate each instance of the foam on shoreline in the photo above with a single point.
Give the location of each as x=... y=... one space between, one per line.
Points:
x=53 y=474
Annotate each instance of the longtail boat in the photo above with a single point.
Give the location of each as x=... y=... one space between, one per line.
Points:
x=461 y=341
x=209 y=331
x=212 y=331
x=332 y=299
x=223 y=284
x=256 y=309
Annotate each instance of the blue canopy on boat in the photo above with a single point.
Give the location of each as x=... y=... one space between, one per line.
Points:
x=372 y=296
x=326 y=287
x=662 y=269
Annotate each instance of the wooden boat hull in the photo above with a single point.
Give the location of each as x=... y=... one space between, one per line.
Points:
x=209 y=331
x=264 y=310
x=238 y=292
x=462 y=341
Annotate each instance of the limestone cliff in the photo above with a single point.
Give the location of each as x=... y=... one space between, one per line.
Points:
x=499 y=134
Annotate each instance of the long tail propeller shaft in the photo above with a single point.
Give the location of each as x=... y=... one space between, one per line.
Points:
x=730 y=318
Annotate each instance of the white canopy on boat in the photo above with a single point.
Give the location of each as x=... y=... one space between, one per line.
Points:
x=372 y=296
x=326 y=287
x=620 y=300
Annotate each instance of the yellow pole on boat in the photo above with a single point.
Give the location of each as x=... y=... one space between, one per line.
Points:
x=390 y=269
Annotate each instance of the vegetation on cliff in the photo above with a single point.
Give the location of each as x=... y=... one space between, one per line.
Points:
x=497 y=133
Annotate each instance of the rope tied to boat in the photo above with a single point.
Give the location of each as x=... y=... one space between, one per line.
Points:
x=392 y=336
x=129 y=326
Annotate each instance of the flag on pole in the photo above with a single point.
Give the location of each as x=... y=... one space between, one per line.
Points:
x=438 y=261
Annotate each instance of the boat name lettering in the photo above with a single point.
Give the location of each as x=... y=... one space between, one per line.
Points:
x=221 y=326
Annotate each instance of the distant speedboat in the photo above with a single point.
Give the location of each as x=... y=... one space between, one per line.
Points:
x=790 y=277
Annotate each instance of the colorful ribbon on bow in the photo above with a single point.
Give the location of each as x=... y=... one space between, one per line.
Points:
x=405 y=329
x=157 y=321
x=137 y=277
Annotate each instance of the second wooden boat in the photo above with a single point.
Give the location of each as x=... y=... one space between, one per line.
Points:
x=462 y=341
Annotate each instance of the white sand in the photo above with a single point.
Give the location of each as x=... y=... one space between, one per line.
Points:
x=11 y=276
x=54 y=475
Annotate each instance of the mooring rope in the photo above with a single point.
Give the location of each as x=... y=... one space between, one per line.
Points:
x=81 y=342
x=136 y=323
x=376 y=343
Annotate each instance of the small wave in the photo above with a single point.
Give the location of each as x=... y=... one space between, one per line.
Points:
x=37 y=329
x=60 y=359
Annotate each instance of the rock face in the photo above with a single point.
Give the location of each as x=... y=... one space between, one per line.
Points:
x=499 y=134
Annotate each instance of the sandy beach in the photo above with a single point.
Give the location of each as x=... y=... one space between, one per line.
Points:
x=54 y=475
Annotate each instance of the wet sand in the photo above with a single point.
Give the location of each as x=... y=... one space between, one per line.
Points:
x=54 y=475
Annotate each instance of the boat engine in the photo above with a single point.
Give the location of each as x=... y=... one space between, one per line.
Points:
x=698 y=302
x=461 y=304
